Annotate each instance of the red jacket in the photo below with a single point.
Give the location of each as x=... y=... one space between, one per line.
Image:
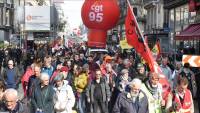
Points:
x=29 y=72
x=187 y=105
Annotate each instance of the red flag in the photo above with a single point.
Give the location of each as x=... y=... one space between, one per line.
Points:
x=135 y=39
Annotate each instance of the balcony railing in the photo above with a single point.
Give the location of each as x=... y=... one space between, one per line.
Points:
x=150 y=3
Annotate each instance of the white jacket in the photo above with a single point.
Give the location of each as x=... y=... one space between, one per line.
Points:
x=64 y=98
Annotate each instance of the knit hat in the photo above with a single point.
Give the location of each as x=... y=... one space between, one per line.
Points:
x=139 y=65
x=108 y=58
x=58 y=77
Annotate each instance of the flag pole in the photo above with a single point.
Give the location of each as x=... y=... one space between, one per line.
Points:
x=137 y=25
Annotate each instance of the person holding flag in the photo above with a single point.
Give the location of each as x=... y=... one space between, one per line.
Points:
x=135 y=38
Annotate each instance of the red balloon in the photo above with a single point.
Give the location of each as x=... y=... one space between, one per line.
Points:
x=99 y=16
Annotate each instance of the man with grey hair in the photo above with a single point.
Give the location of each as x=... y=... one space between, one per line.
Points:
x=42 y=96
x=133 y=101
x=11 y=75
x=11 y=103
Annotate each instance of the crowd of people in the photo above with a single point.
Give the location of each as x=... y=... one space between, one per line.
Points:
x=96 y=83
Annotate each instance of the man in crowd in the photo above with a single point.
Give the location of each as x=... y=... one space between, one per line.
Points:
x=141 y=72
x=134 y=101
x=98 y=93
x=11 y=75
x=127 y=65
x=11 y=103
x=34 y=80
x=153 y=90
x=180 y=100
x=165 y=68
x=48 y=68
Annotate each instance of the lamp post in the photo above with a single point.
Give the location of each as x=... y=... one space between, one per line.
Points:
x=22 y=34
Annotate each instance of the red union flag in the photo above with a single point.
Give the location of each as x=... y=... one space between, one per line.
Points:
x=135 y=39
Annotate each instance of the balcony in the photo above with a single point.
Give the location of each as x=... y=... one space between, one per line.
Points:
x=168 y=4
x=150 y=3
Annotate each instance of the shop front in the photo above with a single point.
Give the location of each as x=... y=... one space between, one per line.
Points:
x=189 y=39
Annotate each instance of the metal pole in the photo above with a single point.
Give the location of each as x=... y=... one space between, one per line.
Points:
x=174 y=35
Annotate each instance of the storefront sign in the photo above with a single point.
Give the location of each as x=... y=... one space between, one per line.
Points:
x=37 y=18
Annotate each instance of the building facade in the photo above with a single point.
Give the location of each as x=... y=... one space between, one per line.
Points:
x=35 y=22
x=6 y=20
x=179 y=18
x=138 y=9
x=156 y=27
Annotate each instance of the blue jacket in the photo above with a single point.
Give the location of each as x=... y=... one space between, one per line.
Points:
x=124 y=104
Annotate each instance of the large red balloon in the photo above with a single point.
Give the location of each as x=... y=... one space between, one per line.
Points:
x=99 y=16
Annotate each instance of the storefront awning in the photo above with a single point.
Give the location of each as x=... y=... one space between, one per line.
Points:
x=192 y=32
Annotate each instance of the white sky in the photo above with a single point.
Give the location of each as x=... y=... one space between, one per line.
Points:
x=72 y=10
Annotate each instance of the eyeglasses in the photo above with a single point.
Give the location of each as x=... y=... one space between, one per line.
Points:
x=156 y=79
x=9 y=101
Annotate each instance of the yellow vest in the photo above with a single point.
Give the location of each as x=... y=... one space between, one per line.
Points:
x=154 y=105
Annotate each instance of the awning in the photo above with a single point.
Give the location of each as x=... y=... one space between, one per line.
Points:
x=192 y=32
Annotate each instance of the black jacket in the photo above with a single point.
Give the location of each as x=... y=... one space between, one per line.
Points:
x=105 y=89
x=124 y=104
x=42 y=98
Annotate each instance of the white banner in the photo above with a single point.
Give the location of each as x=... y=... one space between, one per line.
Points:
x=37 y=18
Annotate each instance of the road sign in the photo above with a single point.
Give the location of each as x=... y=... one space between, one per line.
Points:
x=193 y=60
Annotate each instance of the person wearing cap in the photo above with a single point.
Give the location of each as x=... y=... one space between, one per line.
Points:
x=64 y=97
x=106 y=60
x=127 y=65
x=153 y=90
x=133 y=101
x=141 y=73
x=123 y=80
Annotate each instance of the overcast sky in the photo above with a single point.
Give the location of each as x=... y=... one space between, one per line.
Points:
x=72 y=9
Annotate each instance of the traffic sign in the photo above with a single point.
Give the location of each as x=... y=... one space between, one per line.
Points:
x=193 y=60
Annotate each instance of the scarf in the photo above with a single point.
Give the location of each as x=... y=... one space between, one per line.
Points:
x=153 y=90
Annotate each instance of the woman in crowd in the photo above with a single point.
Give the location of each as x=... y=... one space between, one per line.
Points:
x=64 y=98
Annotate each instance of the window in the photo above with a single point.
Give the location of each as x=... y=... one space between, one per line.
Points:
x=135 y=11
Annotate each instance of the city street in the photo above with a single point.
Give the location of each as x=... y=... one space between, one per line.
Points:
x=99 y=56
